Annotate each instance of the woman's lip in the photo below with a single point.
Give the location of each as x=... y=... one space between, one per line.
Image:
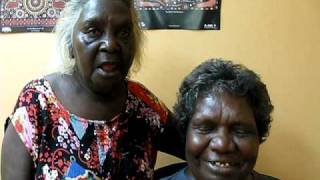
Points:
x=224 y=163
x=107 y=73
x=109 y=66
x=223 y=167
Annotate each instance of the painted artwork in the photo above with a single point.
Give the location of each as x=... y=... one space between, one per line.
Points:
x=42 y=15
x=29 y=15
x=179 y=14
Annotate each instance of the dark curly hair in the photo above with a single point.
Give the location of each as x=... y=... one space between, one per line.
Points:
x=224 y=76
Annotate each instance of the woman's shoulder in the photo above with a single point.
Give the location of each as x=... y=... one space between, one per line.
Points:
x=53 y=79
x=37 y=86
x=34 y=96
x=179 y=175
x=143 y=94
x=59 y=84
x=260 y=176
x=140 y=91
x=137 y=87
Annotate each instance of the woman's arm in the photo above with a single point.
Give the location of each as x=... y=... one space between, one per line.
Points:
x=171 y=140
x=16 y=162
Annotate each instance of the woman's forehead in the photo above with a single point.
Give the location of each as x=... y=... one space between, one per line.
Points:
x=225 y=104
x=102 y=6
x=96 y=10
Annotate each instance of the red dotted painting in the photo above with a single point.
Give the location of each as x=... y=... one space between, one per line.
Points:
x=29 y=15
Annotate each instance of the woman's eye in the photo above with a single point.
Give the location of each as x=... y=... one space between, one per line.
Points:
x=124 y=33
x=93 y=32
x=203 y=129
x=243 y=132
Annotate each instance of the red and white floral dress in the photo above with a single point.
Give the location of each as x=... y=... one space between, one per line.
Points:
x=65 y=146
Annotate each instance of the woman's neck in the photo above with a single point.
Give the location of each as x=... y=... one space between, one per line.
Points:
x=111 y=95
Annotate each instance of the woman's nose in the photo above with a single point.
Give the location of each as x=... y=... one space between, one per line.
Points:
x=108 y=43
x=222 y=142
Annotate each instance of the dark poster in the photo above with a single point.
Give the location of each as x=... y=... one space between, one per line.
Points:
x=41 y=15
x=179 y=14
x=29 y=15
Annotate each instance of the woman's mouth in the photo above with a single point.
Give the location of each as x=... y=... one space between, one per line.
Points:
x=108 y=67
x=108 y=70
x=224 y=169
x=223 y=164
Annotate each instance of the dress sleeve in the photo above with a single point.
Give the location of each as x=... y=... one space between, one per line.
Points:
x=150 y=99
x=168 y=139
x=26 y=118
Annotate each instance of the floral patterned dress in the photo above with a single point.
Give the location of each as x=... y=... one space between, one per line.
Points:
x=65 y=146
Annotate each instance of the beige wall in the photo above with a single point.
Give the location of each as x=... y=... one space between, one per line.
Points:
x=277 y=38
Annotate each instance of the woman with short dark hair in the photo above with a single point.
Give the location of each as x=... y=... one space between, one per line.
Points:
x=224 y=113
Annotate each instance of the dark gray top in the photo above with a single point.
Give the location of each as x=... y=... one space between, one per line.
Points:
x=182 y=175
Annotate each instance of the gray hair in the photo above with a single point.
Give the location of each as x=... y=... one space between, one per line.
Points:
x=218 y=75
x=64 y=31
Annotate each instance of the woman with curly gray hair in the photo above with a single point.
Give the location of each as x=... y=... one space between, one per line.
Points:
x=224 y=112
x=90 y=121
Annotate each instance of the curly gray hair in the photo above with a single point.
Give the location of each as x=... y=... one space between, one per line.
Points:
x=224 y=76
x=64 y=31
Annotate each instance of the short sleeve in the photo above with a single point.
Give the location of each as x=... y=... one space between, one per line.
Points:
x=167 y=135
x=26 y=117
x=150 y=99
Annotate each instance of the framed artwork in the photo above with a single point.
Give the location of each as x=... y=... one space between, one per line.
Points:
x=179 y=14
x=41 y=15
x=29 y=15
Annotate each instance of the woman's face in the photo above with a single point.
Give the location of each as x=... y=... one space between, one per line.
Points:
x=103 y=43
x=222 y=139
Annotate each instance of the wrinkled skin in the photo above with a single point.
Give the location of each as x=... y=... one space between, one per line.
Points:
x=103 y=45
x=222 y=140
x=103 y=50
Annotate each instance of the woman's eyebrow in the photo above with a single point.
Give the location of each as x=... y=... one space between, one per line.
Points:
x=243 y=124
x=91 y=21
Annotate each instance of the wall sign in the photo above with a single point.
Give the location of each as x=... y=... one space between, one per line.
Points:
x=179 y=14
x=29 y=15
x=41 y=15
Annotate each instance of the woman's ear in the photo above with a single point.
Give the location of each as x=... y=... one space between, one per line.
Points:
x=71 y=54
